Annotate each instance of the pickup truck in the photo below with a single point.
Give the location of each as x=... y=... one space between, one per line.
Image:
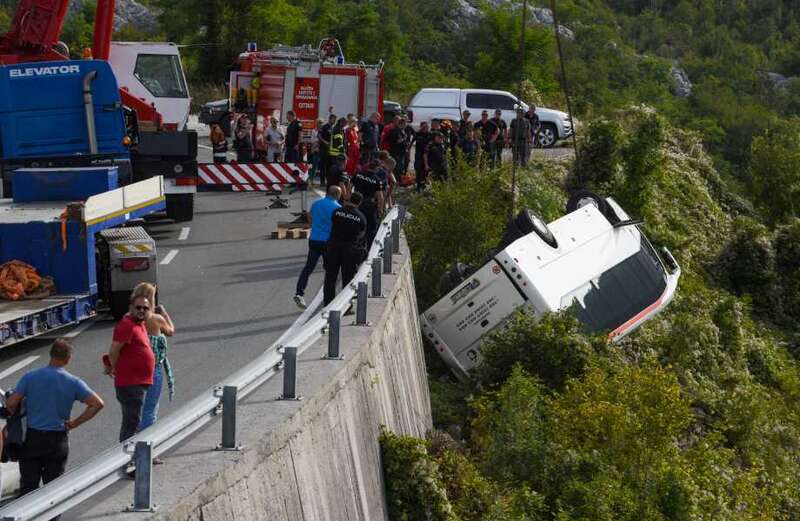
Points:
x=451 y=104
x=595 y=260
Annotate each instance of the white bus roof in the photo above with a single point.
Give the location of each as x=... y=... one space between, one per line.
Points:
x=588 y=246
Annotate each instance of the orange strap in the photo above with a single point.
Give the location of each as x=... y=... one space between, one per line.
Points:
x=64 y=231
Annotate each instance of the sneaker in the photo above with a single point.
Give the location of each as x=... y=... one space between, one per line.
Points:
x=300 y=301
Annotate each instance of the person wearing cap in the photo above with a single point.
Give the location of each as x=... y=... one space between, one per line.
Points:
x=520 y=136
x=533 y=119
x=369 y=184
x=489 y=131
x=436 y=157
x=502 y=137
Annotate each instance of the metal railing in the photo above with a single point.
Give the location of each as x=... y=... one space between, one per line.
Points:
x=88 y=479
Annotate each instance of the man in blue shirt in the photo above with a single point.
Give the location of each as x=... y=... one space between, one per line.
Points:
x=320 y=215
x=49 y=393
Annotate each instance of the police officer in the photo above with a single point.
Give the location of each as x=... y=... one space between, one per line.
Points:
x=436 y=157
x=500 y=142
x=369 y=184
x=346 y=248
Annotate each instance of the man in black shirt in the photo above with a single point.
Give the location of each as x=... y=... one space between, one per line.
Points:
x=293 y=131
x=421 y=140
x=463 y=125
x=370 y=137
x=324 y=136
x=436 y=157
x=368 y=184
x=489 y=131
x=397 y=147
x=337 y=176
x=500 y=142
x=533 y=119
x=345 y=249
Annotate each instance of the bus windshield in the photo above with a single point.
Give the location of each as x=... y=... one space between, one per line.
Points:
x=619 y=294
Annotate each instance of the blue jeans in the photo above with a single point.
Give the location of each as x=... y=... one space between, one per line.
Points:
x=150 y=409
x=316 y=249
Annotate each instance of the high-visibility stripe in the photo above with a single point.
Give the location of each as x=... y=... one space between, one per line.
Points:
x=252 y=174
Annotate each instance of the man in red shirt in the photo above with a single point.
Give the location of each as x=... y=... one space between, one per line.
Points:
x=132 y=364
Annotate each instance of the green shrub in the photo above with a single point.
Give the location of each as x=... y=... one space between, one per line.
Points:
x=454 y=222
x=414 y=489
x=508 y=430
x=599 y=163
x=553 y=349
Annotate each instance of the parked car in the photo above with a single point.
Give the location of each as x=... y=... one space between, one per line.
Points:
x=392 y=109
x=595 y=260
x=217 y=112
x=451 y=103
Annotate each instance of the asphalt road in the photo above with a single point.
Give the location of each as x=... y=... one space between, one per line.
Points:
x=228 y=290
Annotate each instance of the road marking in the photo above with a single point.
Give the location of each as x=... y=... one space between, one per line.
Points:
x=184 y=233
x=171 y=255
x=206 y=147
x=19 y=365
x=80 y=329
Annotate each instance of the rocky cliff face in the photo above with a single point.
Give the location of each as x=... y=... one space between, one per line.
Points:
x=128 y=12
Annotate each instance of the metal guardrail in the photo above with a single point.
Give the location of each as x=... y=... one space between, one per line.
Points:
x=88 y=479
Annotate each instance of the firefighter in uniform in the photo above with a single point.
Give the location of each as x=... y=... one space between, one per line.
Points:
x=345 y=249
x=369 y=185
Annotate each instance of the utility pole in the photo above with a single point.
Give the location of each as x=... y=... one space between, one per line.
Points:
x=519 y=97
x=564 y=85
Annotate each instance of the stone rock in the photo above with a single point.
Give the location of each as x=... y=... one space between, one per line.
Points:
x=127 y=12
x=681 y=85
x=779 y=81
x=468 y=12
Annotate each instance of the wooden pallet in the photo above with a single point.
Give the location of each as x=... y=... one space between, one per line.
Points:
x=290 y=233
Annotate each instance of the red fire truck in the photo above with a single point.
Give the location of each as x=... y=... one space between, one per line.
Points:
x=312 y=82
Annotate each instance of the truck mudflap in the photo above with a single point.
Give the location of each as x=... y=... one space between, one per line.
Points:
x=25 y=319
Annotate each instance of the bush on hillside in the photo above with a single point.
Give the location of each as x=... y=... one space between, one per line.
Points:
x=553 y=349
x=775 y=172
x=455 y=221
x=599 y=163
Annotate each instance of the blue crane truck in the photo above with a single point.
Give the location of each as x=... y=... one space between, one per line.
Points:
x=64 y=139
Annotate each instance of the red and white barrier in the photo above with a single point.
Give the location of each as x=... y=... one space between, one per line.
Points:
x=253 y=177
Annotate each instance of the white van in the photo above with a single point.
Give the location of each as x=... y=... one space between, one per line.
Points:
x=595 y=258
x=449 y=104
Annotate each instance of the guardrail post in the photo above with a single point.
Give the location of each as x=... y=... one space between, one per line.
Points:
x=289 y=374
x=387 y=254
x=229 y=420
x=334 y=327
x=143 y=482
x=376 y=278
x=396 y=235
x=361 y=304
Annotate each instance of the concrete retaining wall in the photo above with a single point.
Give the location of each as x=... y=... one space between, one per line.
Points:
x=321 y=461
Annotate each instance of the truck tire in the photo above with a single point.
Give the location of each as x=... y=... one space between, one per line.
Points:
x=547 y=135
x=180 y=207
x=118 y=304
x=581 y=198
x=453 y=277
x=525 y=222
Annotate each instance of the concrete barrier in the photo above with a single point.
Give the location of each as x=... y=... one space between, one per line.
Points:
x=313 y=459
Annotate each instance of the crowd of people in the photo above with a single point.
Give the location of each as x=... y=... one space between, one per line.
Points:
x=347 y=145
